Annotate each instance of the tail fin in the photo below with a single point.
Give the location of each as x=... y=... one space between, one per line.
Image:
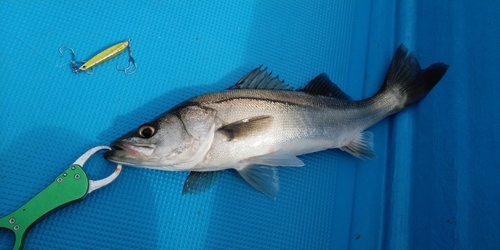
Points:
x=406 y=79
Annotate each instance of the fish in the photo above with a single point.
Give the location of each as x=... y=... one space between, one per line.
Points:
x=261 y=123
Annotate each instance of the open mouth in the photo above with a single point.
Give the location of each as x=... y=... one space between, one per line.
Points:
x=131 y=149
x=116 y=146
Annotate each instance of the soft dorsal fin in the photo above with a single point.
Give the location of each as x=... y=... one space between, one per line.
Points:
x=260 y=79
x=321 y=85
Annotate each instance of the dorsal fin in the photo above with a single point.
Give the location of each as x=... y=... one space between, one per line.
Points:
x=321 y=85
x=260 y=79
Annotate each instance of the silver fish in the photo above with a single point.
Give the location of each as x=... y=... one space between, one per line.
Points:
x=260 y=123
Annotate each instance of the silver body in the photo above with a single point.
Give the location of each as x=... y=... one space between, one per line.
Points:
x=302 y=123
x=260 y=123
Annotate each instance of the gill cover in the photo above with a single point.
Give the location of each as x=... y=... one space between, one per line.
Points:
x=178 y=140
x=200 y=124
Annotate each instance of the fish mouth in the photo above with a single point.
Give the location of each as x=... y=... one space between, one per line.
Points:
x=122 y=151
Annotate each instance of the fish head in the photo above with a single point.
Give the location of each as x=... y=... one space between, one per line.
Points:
x=153 y=144
x=176 y=141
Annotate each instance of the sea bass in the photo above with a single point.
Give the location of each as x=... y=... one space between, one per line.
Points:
x=261 y=123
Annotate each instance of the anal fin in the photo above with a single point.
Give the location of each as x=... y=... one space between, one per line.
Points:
x=262 y=178
x=361 y=146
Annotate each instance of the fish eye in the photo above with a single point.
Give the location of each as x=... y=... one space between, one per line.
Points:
x=146 y=131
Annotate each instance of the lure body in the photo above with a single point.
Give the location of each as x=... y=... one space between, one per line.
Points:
x=105 y=55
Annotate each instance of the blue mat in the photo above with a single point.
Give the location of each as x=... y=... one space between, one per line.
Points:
x=434 y=185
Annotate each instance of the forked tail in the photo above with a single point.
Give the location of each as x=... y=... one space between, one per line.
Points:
x=407 y=81
x=405 y=84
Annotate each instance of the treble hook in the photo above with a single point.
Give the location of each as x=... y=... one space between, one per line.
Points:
x=74 y=64
x=131 y=61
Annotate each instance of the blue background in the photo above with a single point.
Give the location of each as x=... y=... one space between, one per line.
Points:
x=434 y=185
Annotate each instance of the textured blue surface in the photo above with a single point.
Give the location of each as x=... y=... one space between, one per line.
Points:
x=434 y=185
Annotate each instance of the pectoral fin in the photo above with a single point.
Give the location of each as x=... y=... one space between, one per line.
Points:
x=246 y=127
x=262 y=178
x=198 y=182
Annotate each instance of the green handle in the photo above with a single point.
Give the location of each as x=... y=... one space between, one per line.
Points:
x=69 y=186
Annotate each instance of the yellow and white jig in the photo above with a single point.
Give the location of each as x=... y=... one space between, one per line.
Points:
x=101 y=57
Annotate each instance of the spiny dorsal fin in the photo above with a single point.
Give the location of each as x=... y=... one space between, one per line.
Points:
x=260 y=79
x=321 y=85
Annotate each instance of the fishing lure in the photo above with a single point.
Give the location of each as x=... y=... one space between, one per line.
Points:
x=101 y=57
